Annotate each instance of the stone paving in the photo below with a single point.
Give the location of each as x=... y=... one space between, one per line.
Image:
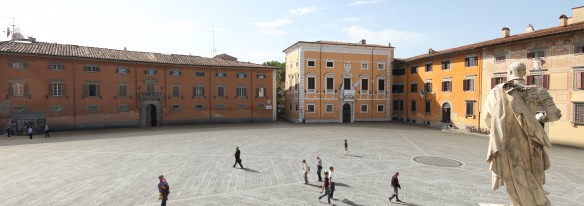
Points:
x=121 y=166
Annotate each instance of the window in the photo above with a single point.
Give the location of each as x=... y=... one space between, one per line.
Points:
x=364 y=86
x=199 y=74
x=261 y=76
x=364 y=108
x=380 y=86
x=17 y=65
x=534 y=54
x=579 y=79
x=122 y=70
x=428 y=67
x=290 y=106
x=297 y=107
x=329 y=108
x=199 y=107
x=364 y=65
x=241 y=106
x=92 y=108
x=123 y=108
x=175 y=91
x=398 y=71
x=414 y=69
x=413 y=105
x=497 y=80
x=347 y=84
x=311 y=83
x=539 y=80
x=381 y=66
x=241 y=92
x=122 y=90
x=468 y=85
x=92 y=90
x=330 y=83
x=57 y=108
x=500 y=59
x=311 y=63
x=18 y=108
x=397 y=88
x=175 y=107
x=56 y=89
x=578 y=112
x=262 y=106
x=469 y=108
x=91 y=68
x=220 y=91
x=330 y=63
x=150 y=87
x=579 y=49
x=56 y=66
x=398 y=105
x=310 y=108
x=220 y=74
x=380 y=108
x=428 y=106
x=447 y=85
x=445 y=64
x=220 y=107
x=428 y=86
x=261 y=92
x=175 y=73
x=150 y=71
x=241 y=75
x=470 y=61
x=414 y=88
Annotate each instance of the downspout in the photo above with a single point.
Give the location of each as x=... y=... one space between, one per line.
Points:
x=251 y=93
x=210 y=85
x=480 y=77
x=321 y=75
x=74 y=100
x=137 y=95
x=372 y=77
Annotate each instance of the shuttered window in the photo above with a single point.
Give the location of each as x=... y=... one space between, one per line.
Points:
x=539 y=80
x=468 y=85
x=579 y=81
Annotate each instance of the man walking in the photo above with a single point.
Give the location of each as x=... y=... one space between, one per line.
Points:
x=29 y=131
x=318 y=168
x=346 y=147
x=164 y=189
x=237 y=158
x=47 y=131
x=332 y=183
x=305 y=171
x=326 y=188
x=395 y=185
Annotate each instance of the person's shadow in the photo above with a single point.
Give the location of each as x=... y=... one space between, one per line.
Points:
x=341 y=184
x=358 y=156
x=349 y=202
x=250 y=170
x=405 y=203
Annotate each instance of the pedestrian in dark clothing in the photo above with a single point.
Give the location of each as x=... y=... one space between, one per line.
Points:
x=29 y=131
x=318 y=167
x=395 y=185
x=237 y=158
x=8 y=130
x=332 y=182
x=326 y=188
x=346 y=147
x=164 y=189
x=47 y=131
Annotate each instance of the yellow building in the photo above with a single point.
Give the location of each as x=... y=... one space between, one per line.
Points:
x=337 y=82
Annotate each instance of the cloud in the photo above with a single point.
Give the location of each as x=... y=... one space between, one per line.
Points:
x=271 y=27
x=364 y=2
x=383 y=37
x=302 y=11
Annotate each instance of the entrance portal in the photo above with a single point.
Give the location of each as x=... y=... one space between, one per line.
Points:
x=151 y=115
x=346 y=113
x=446 y=113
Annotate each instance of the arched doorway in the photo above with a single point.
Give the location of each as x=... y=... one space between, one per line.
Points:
x=346 y=113
x=446 y=113
x=151 y=115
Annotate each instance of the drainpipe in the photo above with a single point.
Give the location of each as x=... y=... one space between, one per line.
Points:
x=251 y=93
x=321 y=75
x=210 y=85
x=371 y=93
x=74 y=100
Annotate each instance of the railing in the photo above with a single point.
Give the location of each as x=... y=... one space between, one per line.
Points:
x=150 y=96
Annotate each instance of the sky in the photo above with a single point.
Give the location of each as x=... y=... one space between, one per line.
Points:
x=259 y=30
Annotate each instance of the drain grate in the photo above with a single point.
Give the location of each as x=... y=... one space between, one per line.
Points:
x=437 y=161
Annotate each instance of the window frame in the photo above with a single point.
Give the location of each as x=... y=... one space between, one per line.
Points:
x=332 y=63
x=123 y=108
x=175 y=73
x=122 y=70
x=150 y=71
x=468 y=63
x=199 y=74
x=120 y=93
x=175 y=107
x=578 y=75
x=364 y=64
x=472 y=107
x=414 y=69
x=308 y=61
x=428 y=67
x=381 y=66
x=366 y=108
x=90 y=110
x=413 y=105
x=382 y=108
x=447 y=85
x=578 y=118
x=308 y=106
x=241 y=92
x=332 y=108
x=446 y=64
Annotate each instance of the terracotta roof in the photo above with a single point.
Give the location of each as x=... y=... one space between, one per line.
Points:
x=517 y=37
x=339 y=43
x=67 y=50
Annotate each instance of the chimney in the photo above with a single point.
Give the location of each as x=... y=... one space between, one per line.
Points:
x=363 y=41
x=124 y=48
x=563 y=20
x=431 y=51
x=389 y=44
x=529 y=28
x=505 y=32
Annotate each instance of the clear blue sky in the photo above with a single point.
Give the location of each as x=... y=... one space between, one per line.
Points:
x=258 y=31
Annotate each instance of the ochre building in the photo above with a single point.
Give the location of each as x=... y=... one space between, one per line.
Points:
x=74 y=87
x=337 y=82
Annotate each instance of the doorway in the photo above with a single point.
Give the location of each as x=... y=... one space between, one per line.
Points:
x=151 y=115
x=446 y=113
x=346 y=113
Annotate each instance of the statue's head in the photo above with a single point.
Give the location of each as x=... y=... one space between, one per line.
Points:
x=516 y=70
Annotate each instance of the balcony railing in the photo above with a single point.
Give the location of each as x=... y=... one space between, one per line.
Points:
x=150 y=96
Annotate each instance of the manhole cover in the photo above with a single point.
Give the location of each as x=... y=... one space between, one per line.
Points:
x=437 y=161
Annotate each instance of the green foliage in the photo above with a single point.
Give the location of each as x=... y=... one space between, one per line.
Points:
x=281 y=72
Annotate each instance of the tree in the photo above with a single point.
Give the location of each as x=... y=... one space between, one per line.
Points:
x=281 y=72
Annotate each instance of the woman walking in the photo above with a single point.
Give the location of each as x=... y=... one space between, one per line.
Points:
x=346 y=147
x=326 y=188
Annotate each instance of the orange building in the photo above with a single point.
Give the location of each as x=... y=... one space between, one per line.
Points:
x=74 y=87
x=337 y=82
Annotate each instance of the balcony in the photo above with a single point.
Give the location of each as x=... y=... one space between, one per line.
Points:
x=150 y=96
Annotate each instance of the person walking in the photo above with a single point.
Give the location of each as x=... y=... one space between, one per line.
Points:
x=318 y=168
x=346 y=147
x=326 y=188
x=164 y=189
x=8 y=130
x=47 y=131
x=29 y=131
x=237 y=158
x=305 y=171
x=332 y=182
x=395 y=185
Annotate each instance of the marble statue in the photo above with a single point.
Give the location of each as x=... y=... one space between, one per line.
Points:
x=514 y=113
x=536 y=63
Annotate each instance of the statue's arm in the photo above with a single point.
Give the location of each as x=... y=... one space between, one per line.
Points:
x=552 y=113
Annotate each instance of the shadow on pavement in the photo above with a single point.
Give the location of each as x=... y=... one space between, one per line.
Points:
x=358 y=156
x=349 y=202
x=250 y=170
x=341 y=184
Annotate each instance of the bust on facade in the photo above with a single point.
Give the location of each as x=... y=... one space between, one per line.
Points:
x=517 y=146
x=536 y=63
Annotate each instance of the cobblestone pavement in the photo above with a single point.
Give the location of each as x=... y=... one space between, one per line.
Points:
x=121 y=166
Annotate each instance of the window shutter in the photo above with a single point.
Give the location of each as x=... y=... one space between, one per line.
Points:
x=85 y=68
x=217 y=74
x=546 y=81
x=50 y=66
x=443 y=86
x=465 y=85
x=97 y=91
x=530 y=55
x=26 y=89
x=529 y=80
x=50 y=89
x=155 y=71
x=11 y=89
x=63 y=91
x=86 y=90
x=580 y=80
x=117 y=70
x=96 y=69
x=145 y=71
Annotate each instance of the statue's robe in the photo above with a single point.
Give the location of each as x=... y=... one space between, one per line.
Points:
x=517 y=141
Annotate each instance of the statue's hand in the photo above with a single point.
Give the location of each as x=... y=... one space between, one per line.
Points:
x=540 y=116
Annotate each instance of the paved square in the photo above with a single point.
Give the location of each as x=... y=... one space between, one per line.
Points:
x=121 y=166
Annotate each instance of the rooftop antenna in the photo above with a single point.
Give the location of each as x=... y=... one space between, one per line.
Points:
x=214 y=50
x=14 y=29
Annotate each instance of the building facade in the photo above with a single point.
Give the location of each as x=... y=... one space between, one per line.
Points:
x=74 y=87
x=337 y=82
